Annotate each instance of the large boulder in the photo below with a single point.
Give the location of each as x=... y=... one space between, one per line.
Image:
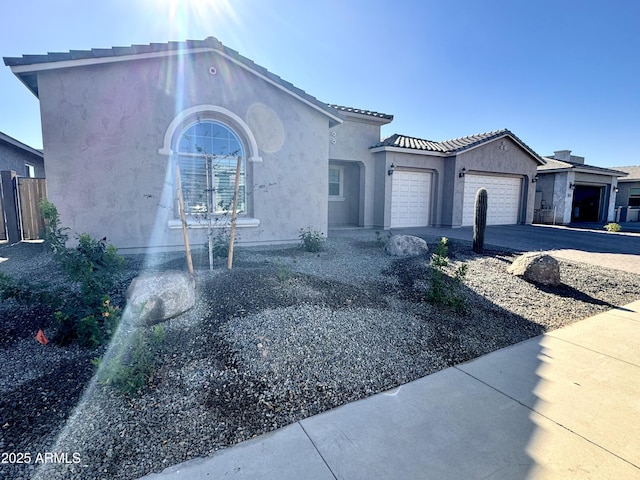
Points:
x=537 y=268
x=405 y=246
x=161 y=296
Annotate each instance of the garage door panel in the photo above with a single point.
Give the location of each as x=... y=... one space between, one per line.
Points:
x=410 y=199
x=503 y=199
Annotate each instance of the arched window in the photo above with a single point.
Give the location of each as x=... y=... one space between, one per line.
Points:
x=207 y=152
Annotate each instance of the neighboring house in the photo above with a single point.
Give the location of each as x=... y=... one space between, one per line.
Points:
x=628 y=196
x=21 y=158
x=568 y=190
x=22 y=185
x=117 y=121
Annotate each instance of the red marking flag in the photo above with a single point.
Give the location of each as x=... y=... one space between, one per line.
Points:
x=41 y=337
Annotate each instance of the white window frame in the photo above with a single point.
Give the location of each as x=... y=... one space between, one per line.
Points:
x=210 y=162
x=340 y=196
x=30 y=170
x=219 y=114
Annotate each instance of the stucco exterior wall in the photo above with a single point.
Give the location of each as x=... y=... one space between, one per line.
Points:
x=14 y=158
x=544 y=189
x=346 y=210
x=502 y=156
x=622 y=197
x=349 y=145
x=103 y=126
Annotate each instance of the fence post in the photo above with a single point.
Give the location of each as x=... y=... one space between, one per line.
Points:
x=10 y=205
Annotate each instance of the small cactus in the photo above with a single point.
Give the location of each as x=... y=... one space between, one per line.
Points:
x=480 y=221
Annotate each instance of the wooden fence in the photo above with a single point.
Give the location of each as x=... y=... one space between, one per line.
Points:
x=20 y=207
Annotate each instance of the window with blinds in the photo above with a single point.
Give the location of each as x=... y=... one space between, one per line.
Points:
x=208 y=154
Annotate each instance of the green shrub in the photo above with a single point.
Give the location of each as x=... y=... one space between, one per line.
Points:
x=53 y=234
x=283 y=271
x=86 y=324
x=612 y=227
x=87 y=315
x=134 y=364
x=311 y=240
x=443 y=288
x=220 y=244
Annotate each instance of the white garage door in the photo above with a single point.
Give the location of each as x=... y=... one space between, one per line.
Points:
x=503 y=195
x=410 y=199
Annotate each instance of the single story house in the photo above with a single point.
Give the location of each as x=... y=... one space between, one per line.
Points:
x=20 y=158
x=118 y=123
x=628 y=196
x=568 y=190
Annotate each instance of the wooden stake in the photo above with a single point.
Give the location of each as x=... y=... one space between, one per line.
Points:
x=234 y=213
x=183 y=217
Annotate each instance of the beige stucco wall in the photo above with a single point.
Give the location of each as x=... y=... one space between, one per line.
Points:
x=415 y=162
x=501 y=156
x=349 y=145
x=103 y=126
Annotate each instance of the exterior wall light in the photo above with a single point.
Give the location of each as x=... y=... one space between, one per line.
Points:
x=391 y=169
x=534 y=179
x=462 y=172
x=572 y=186
x=616 y=189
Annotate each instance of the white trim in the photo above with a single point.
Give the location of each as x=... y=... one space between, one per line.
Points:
x=30 y=166
x=340 y=196
x=241 y=222
x=182 y=116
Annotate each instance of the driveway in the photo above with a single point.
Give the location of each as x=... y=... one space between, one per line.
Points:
x=620 y=251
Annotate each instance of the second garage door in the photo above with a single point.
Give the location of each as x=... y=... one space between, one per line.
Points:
x=503 y=194
x=411 y=192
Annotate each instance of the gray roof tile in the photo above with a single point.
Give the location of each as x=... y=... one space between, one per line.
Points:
x=453 y=146
x=558 y=165
x=633 y=172
x=369 y=113
x=209 y=42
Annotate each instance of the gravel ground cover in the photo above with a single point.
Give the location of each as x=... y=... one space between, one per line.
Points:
x=286 y=334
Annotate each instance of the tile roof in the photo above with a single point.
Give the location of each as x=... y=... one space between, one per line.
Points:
x=102 y=55
x=553 y=165
x=633 y=172
x=453 y=146
x=369 y=113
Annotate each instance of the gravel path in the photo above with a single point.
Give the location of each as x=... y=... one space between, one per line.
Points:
x=285 y=335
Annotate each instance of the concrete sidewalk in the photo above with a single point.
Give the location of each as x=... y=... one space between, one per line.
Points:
x=562 y=405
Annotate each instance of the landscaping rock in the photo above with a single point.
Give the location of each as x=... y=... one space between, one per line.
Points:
x=406 y=246
x=537 y=268
x=161 y=296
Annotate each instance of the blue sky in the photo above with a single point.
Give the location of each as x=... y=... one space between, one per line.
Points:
x=560 y=74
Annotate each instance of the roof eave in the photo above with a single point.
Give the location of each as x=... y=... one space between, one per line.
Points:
x=414 y=151
x=17 y=143
x=22 y=71
x=364 y=118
